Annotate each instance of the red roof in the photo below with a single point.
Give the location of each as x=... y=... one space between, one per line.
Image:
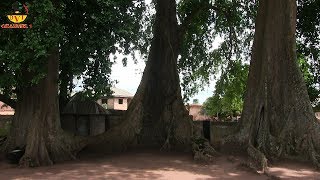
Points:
x=5 y=109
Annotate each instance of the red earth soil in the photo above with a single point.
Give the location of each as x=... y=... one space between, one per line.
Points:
x=154 y=165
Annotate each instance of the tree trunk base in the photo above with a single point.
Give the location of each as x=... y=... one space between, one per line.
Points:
x=272 y=149
x=40 y=152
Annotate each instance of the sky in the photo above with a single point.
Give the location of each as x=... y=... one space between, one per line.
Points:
x=129 y=78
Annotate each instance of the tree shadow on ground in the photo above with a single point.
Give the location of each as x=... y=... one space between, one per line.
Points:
x=140 y=165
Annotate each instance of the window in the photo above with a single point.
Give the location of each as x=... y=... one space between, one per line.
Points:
x=104 y=101
x=120 y=101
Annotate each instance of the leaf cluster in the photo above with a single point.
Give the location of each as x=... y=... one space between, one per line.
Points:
x=230 y=22
x=229 y=91
x=86 y=32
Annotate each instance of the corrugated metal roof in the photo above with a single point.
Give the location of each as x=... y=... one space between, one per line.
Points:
x=77 y=106
x=120 y=92
x=5 y=109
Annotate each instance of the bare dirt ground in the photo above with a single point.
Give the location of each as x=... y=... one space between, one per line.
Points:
x=154 y=165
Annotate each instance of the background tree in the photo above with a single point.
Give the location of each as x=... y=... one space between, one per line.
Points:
x=308 y=45
x=231 y=23
x=310 y=80
x=24 y=58
x=93 y=31
x=229 y=92
x=230 y=89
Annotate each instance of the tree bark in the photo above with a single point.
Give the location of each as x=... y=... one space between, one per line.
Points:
x=21 y=119
x=277 y=120
x=66 y=84
x=36 y=124
x=156 y=117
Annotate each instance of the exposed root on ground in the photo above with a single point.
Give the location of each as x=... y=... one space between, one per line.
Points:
x=202 y=150
x=314 y=156
x=40 y=152
x=166 y=146
x=260 y=161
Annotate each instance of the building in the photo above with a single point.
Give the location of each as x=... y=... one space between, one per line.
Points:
x=119 y=100
x=317 y=115
x=5 y=109
x=195 y=110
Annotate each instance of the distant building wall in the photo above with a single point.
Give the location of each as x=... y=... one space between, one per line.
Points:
x=317 y=115
x=120 y=103
x=194 y=110
x=116 y=103
x=110 y=103
x=119 y=100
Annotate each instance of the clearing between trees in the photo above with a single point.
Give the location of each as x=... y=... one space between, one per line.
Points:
x=155 y=165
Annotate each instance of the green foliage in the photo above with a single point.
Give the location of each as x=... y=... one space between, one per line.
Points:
x=233 y=22
x=229 y=91
x=85 y=31
x=23 y=51
x=230 y=21
x=308 y=33
x=313 y=89
x=93 y=31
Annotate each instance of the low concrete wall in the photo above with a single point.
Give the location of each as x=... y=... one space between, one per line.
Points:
x=220 y=130
x=197 y=128
x=115 y=118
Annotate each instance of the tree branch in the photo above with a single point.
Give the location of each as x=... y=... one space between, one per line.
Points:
x=191 y=17
x=7 y=100
x=188 y=20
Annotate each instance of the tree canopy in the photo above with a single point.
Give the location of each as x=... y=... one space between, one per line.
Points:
x=85 y=32
x=231 y=23
x=74 y=39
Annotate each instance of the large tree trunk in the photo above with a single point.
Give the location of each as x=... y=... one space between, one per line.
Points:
x=277 y=120
x=36 y=124
x=21 y=119
x=157 y=117
x=66 y=84
x=163 y=116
